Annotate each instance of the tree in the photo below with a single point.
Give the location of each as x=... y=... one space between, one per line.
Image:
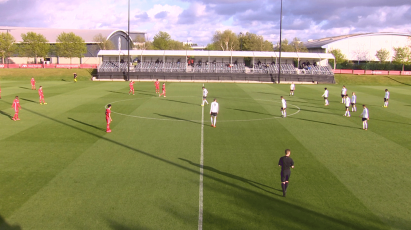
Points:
x=253 y=42
x=103 y=43
x=382 y=55
x=161 y=41
x=285 y=46
x=7 y=46
x=339 y=57
x=70 y=45
x=210 y=47
x=34 y=45
x=298 y=46
x=226 y=40
x=402 y=56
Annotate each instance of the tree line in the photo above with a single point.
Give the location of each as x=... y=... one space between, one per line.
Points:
x=225 y=40
x=35 y=45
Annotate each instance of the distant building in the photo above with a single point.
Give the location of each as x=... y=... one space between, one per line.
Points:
x=51 y=35
x=360 y=47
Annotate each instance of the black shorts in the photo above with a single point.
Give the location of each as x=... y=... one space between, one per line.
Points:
x=204 y=98
x=347 y=107
x=285 y=175
x=352 y=104
x=342 y=95
x=283 y=108
x=213 y=114
x=385 y=99
x=364 y=119
x=291 y=90
x=325 y=98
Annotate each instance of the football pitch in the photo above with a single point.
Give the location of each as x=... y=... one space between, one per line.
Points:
x=59 y=169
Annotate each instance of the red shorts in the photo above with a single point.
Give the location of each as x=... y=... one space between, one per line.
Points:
x=164 y=91
x=157 y=87
x=41 y=97
x=108 y=120
x=131 y=88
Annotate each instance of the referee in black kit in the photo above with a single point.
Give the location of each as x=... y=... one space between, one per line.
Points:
x=286 y=163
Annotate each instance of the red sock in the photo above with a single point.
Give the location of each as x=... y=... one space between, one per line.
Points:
x=108 y=127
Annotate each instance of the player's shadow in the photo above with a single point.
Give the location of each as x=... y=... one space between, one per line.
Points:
x=250 y=182
x=325 y=123
x=183 y=102
x=402 y=83
x=316 y=111
x=4 y=225
x=83 y=123
x=25 y=99
x=249 y=111
x=116 y=92
x=177 y=118
x=5 y=114
x=24 y=87
x=269 y=93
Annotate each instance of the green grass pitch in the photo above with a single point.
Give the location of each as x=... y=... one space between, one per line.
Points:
x=60 y=170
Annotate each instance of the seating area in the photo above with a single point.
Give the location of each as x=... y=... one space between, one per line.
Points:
x=215 y=67
x=274 y=68
x=112 y=67
x=159 y=67
x=317 y=70
x=218 y=67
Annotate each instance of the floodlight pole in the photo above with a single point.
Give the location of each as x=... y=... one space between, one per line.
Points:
x=279 y=59
x=128 y=44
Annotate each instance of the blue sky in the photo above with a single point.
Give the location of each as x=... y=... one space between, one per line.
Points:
x=198 y=20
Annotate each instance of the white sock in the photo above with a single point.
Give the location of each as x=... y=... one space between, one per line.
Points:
x=366 y=125
x=363 y=125
x=206 y=102
x=215 y=120
x=285 y=113
x=211 y=120
x=348 y=113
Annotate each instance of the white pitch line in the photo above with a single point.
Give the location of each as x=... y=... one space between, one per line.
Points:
x=200 y=206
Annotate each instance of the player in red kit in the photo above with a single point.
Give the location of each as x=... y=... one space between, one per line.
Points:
x=33 y=84
x=108 y=118
x=131 y=87
x=41 y=96
x=157 y=84
x=164 y=90
x=17 y=107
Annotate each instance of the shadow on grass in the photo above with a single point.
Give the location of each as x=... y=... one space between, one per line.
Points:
x=249 y=111
x=116 y=92
x=269 y=93
x=5 y=114
x=5 y=226
x=250 y=182
x=25 y=99
x=286 y=211
x=177 y=118
x=325 y=123
x=183 y=102
x=24 y=87
x=83 y=123
x=402 y=83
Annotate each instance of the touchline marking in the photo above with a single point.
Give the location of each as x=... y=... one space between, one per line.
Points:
x=200 y=206
x=168 y=119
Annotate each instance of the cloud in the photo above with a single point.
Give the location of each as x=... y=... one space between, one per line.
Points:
x=162 y=14
x=199 y=19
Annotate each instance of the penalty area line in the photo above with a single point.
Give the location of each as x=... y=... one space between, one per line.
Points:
x=200 y=206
